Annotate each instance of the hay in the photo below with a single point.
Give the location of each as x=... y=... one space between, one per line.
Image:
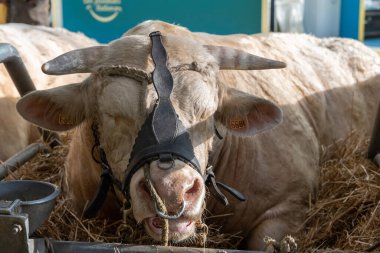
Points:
x=346 y=215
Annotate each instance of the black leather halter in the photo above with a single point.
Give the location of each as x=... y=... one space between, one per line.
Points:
x=162 y=138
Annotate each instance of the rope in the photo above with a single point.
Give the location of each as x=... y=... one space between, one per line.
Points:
x=202 y=233
x=124 y=228
x=159 y=203
x=140 y=74
x=48 y=245
x=123 y=70
x=286 y=245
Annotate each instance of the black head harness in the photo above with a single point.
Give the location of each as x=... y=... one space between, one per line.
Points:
x=162 y=138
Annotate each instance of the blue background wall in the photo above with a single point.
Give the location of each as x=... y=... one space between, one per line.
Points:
x=350 y=19
x=213 y=16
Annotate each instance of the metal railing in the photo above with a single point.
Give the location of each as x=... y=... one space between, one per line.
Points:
x=19 y=159
x=24 y=84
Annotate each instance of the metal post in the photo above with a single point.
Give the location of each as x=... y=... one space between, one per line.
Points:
x=24 y=84
x=16 y=68
x=19 y=159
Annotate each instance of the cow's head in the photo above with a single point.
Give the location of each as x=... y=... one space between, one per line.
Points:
x=119 y=98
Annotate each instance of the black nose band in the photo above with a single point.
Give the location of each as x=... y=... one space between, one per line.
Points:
x=162 y=136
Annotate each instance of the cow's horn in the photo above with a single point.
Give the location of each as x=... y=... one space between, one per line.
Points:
x=76 y=61
x=230 y=58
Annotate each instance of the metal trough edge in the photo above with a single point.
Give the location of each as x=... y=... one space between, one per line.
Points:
x=50 y=246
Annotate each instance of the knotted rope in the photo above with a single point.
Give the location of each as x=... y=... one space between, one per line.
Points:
x=202 y=233
x=124 y=227
x=159 y=203
x=124 y=70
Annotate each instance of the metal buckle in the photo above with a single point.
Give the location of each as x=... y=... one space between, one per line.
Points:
x=165 y=161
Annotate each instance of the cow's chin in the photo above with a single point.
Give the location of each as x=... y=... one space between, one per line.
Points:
x=179 y=229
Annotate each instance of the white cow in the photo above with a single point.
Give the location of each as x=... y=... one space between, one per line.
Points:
x=330 y=87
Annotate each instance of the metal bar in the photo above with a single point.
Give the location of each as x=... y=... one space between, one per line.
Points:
x=24 y=84
x=86 y=247
x=374 y=145
x=19 y=159
x=16 y=68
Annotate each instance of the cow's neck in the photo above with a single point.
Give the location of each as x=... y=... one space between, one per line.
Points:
x=215 y=157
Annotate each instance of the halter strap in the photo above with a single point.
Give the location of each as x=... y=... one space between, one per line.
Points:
x=162 y=136
x=107 y=179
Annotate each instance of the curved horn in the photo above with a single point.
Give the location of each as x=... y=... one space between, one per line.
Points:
x=76 y=61
x=230 y=58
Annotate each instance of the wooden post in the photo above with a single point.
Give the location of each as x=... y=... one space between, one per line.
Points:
x=3 y=11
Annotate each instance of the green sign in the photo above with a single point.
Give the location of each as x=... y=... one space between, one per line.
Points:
x=106 y=20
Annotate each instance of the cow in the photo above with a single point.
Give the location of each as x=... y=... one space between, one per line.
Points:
x=259 y=125
x=35 y=44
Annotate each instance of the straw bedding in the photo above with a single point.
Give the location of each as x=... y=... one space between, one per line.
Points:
x=346 y=215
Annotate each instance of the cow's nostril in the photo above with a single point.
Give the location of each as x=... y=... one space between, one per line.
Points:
x=194 y=188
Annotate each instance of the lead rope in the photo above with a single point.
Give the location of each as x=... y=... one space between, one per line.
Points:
x=123 y=229
x=202 y=233
x=159 y=203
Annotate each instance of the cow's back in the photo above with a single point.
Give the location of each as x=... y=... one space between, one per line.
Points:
x=36 y=45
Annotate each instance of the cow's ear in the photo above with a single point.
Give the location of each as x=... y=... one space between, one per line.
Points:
x=246 y=115
x=56 y=109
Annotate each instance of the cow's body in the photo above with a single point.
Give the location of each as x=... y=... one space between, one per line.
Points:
x=35 y=44
x=329 y=88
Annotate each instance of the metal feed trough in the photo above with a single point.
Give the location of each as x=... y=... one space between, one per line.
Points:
x=25 y=205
